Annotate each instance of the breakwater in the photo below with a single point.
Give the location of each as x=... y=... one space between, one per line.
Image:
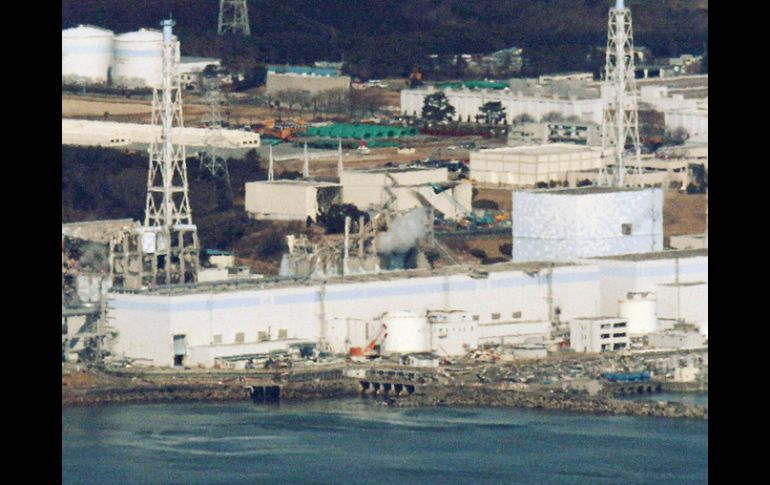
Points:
x=500 y=397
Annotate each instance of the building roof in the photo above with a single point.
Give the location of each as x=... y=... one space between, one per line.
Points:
x=545 y=149
x=195 y=60
x=296 y=182
x=288 y=282
x=97 y=231
x=589 y=190
x=670 y=254
x=303 y=70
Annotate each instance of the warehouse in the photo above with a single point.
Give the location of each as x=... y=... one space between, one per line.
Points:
x=301 y=78
x=283 y=312
x=403 y=189
x=110 y=133
x=525 y=166
x=467 y=102
x=569 y=224
x=290 y=200
x=694 y=121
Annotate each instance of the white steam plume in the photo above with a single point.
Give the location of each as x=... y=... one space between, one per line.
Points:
x=403 y=232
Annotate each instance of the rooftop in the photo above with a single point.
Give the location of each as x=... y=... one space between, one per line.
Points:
x=301 y=182
x=479 y=272
x=682 y=253
x=546 y=149
x=587 y=190
x=98 y=231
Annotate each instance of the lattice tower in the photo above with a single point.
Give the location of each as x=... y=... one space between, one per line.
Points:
x=233 y=17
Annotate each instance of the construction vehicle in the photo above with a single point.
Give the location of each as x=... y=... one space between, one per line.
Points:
x=372 y=350
x=471 y=217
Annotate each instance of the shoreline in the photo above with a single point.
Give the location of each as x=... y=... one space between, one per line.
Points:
x=424 y=396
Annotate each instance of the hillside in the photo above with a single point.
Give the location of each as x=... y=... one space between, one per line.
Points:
x=377 y=38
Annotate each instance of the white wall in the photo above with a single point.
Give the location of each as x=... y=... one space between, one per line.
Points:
x=104 y=133
x=281 y=201
x=467 y=103
x=527 y=165
x=147 y=322
x=621 y=276
x=563 y=226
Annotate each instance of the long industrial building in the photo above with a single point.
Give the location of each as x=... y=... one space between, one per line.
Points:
x=525 y=166
x=464 y=306
x=467 y=102
x=111 y=134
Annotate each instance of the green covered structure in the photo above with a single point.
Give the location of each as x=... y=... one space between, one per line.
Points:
x=361 y=132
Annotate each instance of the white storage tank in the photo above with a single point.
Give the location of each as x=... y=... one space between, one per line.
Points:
x=86 y=54
x=407 y=333
x=639 y=312
x=138 y=59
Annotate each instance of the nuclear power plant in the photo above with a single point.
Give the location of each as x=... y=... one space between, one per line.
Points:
x=581 y=260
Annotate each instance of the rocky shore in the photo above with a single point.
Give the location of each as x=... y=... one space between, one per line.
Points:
x=93 y=387
x=498 y=397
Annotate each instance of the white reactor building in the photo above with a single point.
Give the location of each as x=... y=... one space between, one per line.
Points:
x=569 y=224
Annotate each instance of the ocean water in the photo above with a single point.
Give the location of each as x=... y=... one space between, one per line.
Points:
x=350 y=441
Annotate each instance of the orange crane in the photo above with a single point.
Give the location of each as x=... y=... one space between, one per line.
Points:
x=369 y=352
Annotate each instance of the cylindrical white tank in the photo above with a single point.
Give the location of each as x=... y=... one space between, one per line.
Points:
x=138 y=59
x=640 y=315
x=86 y=54
x=407 y=332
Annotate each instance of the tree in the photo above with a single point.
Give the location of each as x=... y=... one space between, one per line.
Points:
x=493 y=112
x=523 y=118
x=436 y=108
x=552 y=116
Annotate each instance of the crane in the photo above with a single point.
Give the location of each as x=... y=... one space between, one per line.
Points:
x=369 y=352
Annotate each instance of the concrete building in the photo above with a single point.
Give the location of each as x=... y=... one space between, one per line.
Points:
x=190 y=69
x=405 y=189
x=598 y=334
x=666 y=173
x=569 y=224
x=225 y=317
x=695 y=121
x=525 y=166
x=675 y=339
x=290 y=200
x=312 y=80
x=110 y=133
x=685 y=302
x=516 y=102
x=669 y=275
x=457 y=332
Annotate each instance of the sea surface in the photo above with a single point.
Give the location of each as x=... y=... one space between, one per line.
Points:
x=351 y=441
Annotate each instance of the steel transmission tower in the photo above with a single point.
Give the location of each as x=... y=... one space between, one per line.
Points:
x=620 y=122
x=209 y=160
x=174 y=253
x=233 y=17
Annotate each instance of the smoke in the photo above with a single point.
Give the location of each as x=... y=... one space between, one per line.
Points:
x=403 y=232
x=95 y=257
